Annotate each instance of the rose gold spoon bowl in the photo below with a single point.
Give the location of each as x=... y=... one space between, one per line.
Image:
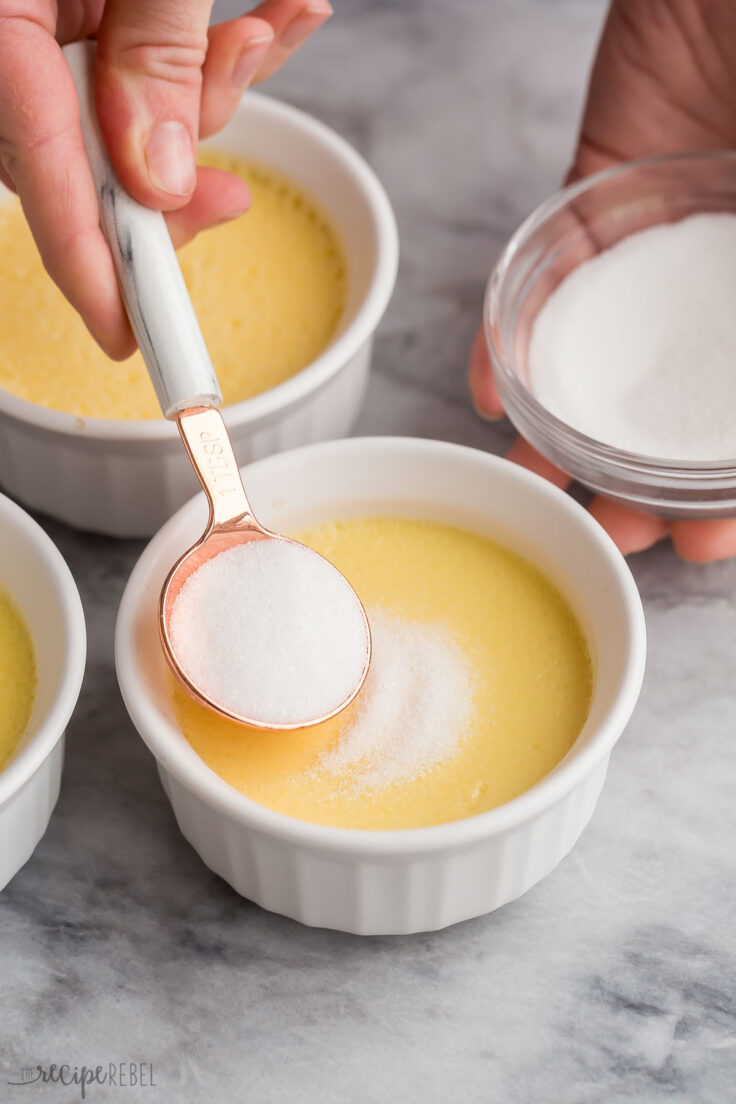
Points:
x=166 y=328
x=231 y=523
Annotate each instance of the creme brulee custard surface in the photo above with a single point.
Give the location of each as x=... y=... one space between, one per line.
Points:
x=268 y=289
x=480 y=683
x=17 y=677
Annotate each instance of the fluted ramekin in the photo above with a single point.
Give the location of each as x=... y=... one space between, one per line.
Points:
x=37 y=579
x=125 y=478
x=375 y=882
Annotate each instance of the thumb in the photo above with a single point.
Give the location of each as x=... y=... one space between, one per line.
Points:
x=147 y=84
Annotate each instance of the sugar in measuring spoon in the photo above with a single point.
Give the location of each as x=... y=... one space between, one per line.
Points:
x=302 y=637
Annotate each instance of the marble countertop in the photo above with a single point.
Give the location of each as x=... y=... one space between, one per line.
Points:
x=615 y=979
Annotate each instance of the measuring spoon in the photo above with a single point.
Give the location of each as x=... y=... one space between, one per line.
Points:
x=166 y=328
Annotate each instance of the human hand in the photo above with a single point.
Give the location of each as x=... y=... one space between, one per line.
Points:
x=664 y=81
x=162 y=79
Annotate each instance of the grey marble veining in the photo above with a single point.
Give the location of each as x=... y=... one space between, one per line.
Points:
x=615 y=979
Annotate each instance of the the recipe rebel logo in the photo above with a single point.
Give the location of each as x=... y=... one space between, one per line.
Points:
x=116 y=1075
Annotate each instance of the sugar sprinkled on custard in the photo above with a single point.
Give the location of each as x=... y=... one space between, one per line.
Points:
x=269 y=290
x=414 y=711
x=480 y=684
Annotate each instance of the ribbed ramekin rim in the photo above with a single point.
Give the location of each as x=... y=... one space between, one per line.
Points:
x=22 y=767
x=271 y=403
x=400 y=843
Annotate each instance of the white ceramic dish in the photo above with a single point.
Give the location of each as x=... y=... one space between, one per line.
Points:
x=125 y=478
x=375 y=882
x=33 y=572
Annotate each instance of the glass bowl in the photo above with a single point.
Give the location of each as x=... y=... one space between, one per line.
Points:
x=562 y=233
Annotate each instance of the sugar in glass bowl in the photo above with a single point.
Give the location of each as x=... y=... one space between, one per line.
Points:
x=563 y=232
x=414 y=879
x=125 y=478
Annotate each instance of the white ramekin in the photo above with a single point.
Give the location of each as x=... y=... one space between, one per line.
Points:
x=34 y=574
x=375 y=882
x=125 y=478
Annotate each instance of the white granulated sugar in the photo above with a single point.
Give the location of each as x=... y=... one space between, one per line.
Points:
x=637 y=347
x=270 y=631
x=413 y=711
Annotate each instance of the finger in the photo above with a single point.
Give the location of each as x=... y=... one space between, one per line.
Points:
x=42 y=152
x=148 y=81
x=480 y=377
x=218 y=197
x=522 y=453
x=235 y=53
x=701 y=541
x=79 y=20
x=293 y=22
x=6 y=179
x=630 y=530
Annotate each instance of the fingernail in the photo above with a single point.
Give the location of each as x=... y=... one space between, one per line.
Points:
x=485 y=415
x=303 y=24
x=252 y=55
x=230 y=216
x=170 y=158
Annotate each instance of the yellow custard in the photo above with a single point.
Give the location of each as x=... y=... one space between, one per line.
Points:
x=17 y=677
x=268 y=288
x=526 y=676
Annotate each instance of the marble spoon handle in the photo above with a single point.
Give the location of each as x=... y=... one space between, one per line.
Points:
x=151 y=283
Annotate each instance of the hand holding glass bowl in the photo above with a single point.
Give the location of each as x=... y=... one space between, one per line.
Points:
x=629 y=116
x=640 y=497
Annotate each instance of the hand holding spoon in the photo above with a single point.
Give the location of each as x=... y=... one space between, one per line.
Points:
x=287 y=658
